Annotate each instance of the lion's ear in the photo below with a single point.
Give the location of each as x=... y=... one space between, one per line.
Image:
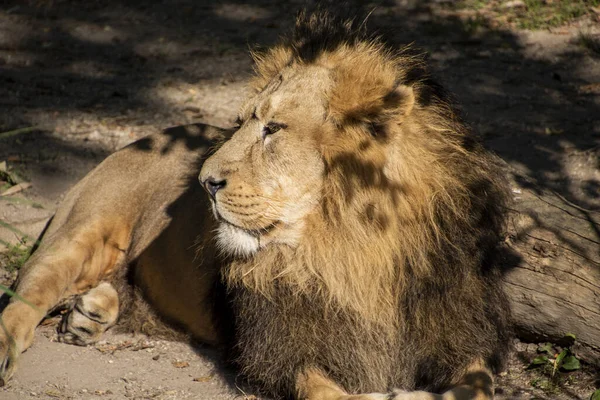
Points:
x=376 y=105
x=268 y=65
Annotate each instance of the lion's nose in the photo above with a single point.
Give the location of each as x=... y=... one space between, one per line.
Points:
x=213 y=185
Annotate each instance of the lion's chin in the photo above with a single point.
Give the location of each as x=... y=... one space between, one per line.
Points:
x=236 y=241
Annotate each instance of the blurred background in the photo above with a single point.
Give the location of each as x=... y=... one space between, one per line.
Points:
x=80 y=79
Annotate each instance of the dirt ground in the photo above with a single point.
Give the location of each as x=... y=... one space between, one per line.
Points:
x=86 y=78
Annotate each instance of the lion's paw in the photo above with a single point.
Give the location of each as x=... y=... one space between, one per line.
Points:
x=9 y=355
x=92 y=314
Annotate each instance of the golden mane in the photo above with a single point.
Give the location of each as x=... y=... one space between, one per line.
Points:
x=393 y=274
x=409 y=193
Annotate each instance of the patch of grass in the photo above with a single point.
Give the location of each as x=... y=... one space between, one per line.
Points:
x=473 y=4
x=15 y=255
x=532 y=14
x=540 y=14
x=555 y=364
x=545 y=384
x=474 y=24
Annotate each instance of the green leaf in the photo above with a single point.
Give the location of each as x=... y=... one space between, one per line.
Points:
x=595 y=395
x=571 y=363
x=571 y=335
x=561 y=356
x=545 y=348
x=538 y=361
x=558 y=361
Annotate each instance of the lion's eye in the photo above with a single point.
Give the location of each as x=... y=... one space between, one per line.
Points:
x=271 y=128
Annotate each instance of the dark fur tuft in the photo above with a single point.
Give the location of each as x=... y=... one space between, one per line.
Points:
x=324 y=31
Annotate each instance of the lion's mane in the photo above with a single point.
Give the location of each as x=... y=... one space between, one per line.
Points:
x=393 y=283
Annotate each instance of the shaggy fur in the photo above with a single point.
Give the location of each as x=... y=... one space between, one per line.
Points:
x=392 y=283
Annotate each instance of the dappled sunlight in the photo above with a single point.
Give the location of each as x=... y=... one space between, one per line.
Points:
x=12 y=33
x=241 y=12
x=219 y=99
x=94 y=33
x=162 y=48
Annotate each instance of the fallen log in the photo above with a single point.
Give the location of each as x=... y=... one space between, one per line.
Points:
x=554 y=285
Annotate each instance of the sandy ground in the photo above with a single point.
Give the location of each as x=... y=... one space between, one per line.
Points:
x=120 y=366
x=88 y=79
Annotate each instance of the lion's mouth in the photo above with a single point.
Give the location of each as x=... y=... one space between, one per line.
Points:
x=255 y=232
x=240 y=241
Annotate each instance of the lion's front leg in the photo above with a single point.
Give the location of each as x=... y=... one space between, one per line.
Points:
x=17 y=325
x=476 y=384
x=67 y=263
x=43 y=282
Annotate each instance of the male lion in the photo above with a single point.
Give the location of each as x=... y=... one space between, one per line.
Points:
x=357 y=216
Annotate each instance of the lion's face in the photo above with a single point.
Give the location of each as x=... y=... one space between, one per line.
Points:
x=268 y=177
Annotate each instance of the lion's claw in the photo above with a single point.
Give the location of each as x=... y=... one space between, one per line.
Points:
x=9 y=355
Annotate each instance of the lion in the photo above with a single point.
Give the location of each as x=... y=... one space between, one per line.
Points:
x=350 y=252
